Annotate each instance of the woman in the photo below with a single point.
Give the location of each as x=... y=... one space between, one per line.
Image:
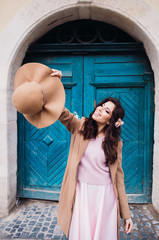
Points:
x=93 y=197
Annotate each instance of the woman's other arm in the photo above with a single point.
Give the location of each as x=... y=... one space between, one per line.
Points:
x=123 y=203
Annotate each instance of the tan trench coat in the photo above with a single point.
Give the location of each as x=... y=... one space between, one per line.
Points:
x=68 y=190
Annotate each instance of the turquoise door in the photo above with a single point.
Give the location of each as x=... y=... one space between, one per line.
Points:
x=87 y=80
x=43 y=153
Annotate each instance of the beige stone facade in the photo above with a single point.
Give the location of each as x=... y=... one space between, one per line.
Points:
x=26 y=22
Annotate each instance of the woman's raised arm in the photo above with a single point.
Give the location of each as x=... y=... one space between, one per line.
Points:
x=69 y=120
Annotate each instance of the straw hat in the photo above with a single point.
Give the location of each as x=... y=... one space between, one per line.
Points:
x=37 y=95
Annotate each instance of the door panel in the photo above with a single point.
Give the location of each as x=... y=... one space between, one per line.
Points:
x=102 y=81
x=132 y=134
x=43 y=152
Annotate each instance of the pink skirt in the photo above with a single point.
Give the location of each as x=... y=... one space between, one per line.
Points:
x=95 y=213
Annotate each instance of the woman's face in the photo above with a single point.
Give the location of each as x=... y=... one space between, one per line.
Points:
x=103 y=114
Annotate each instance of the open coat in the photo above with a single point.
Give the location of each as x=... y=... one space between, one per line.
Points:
x=68 y=190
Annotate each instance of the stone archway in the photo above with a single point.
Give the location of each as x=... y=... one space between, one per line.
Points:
x=30 y=24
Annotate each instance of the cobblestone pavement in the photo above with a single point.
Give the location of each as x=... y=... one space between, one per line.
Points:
x=34 y=219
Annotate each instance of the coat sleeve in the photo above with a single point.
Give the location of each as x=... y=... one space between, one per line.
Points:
x=69 y=120
x=123 y=203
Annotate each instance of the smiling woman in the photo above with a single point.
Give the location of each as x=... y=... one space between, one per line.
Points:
x=105 y=120
x=93 y=194
x=103 y=114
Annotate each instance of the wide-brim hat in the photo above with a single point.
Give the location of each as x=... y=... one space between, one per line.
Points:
x=37 y=95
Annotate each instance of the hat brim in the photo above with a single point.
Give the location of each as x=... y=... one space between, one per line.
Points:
x=54 y=93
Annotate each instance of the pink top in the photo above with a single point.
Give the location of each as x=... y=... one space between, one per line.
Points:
x=92 y=168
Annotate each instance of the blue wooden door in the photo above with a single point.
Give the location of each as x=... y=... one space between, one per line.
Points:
x=87 y=80
x=42 y=153
x=129 y=79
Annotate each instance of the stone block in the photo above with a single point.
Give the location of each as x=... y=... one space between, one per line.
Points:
x=3 y=106
x=156 y=156
x=84 y=12
x=12 y=190
x=12 y=146
x=156 y=121
x=4 y=210
x=3 y=145
x=155 y=189
x=3 y=171
x=3 y=81
x=11 y=111
x=155 y=203
x=3 y=187
x=156 y=137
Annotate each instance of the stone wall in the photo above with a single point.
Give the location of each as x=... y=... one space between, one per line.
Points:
x=136 y=17
x=9 y=9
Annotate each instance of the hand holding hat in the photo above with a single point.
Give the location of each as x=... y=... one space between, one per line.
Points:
x=56 y=73
x=38 y=95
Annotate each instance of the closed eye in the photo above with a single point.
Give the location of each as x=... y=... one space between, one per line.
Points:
x=107 y=111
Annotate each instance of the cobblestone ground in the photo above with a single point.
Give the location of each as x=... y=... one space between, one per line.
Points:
x=34 y=219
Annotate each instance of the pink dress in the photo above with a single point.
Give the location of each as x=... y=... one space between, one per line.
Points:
x=95 y=210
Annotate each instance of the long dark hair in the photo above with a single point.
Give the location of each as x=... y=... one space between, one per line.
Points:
x=112 y=133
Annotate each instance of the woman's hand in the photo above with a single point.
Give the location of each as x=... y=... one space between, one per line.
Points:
x=128 y=225
x=56 y=73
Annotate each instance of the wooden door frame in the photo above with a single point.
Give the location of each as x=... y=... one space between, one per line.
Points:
x=77 y=48
x=99 y=48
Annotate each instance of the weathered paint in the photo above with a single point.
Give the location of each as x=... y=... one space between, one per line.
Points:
x=88 y=77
